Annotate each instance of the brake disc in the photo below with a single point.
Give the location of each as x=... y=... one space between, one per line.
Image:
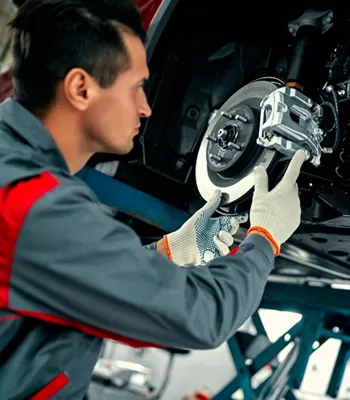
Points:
x=228 y=152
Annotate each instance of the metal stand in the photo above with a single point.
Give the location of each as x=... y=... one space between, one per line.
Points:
x=323 y=309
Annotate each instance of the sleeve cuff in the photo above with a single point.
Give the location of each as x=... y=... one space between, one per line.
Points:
x=261 y=243
x=151 y=246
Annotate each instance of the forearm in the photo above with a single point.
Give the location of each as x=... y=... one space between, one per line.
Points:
x=236 y=287
x=152 y=246
x=159 y=246
x=266 y=237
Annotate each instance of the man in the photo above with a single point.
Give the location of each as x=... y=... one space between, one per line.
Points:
x=70 y=274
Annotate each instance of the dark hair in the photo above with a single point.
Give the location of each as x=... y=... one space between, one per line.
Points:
x=50 y=37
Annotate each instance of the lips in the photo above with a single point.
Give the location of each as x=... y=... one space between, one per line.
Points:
x=136 y=131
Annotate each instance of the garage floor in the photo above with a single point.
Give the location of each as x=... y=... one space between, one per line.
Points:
x=211 y=370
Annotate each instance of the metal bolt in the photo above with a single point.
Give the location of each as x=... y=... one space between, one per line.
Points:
x=241 y=118
x=226 y=115
x=212 y=139
x=193 y=113
x=316 y=345
x=329 y=18
x=287 y=337
x=215 y=157
x=234 y=146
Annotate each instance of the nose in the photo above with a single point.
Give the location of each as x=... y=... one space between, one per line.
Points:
x=144 y=108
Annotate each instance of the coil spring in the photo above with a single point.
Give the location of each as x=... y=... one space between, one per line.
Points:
x=343 y=169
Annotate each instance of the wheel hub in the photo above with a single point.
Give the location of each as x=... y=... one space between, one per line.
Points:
x=234 y=136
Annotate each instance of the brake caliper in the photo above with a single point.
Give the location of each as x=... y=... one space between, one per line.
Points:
x=290 y=121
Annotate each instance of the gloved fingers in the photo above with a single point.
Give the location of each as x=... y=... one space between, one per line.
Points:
x=296 y=188
x=208 y=255
x=221 y=247
x=223 y=223
x=211 y=206
x=241 y=218
x=234 y=226
x=226 y=238
x=231 y=224
x=261 y=180
x=293 y=170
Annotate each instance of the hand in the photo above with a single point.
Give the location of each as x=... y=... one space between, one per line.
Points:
x=277 y=214
x=203 y=238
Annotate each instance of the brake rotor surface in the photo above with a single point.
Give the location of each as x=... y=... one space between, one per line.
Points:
x=228 y=153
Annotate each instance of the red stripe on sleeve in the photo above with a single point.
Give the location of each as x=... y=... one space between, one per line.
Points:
x=233 y=251
x=52 y=388
x=16 y=201
x=90 y=330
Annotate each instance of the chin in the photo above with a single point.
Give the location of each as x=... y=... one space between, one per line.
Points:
x=121 y=150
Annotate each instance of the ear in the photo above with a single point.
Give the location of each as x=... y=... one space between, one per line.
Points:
x=80 y=89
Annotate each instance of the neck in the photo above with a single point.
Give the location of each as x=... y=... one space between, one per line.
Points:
x=70 y=140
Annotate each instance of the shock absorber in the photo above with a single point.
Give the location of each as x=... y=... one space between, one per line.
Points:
x=307 y=30
x=300 y=68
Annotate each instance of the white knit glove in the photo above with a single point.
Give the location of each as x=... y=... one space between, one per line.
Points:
x=277 y=213
x=203 y=238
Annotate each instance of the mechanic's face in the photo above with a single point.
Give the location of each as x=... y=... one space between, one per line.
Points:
x=112 y=119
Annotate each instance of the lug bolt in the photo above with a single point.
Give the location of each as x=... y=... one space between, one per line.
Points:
x=241 y=118
x=215 y=157
x=234 y=146
x=226 y=115
x=237 y=117
x=329 y=18
x=212 y=139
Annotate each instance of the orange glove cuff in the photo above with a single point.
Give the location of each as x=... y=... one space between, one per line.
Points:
x=268 y=236
x=167 y=248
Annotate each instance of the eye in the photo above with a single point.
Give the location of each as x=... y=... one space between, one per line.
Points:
x=141 y=85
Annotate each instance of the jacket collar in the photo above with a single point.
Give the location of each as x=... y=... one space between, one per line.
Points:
x=32 y=131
